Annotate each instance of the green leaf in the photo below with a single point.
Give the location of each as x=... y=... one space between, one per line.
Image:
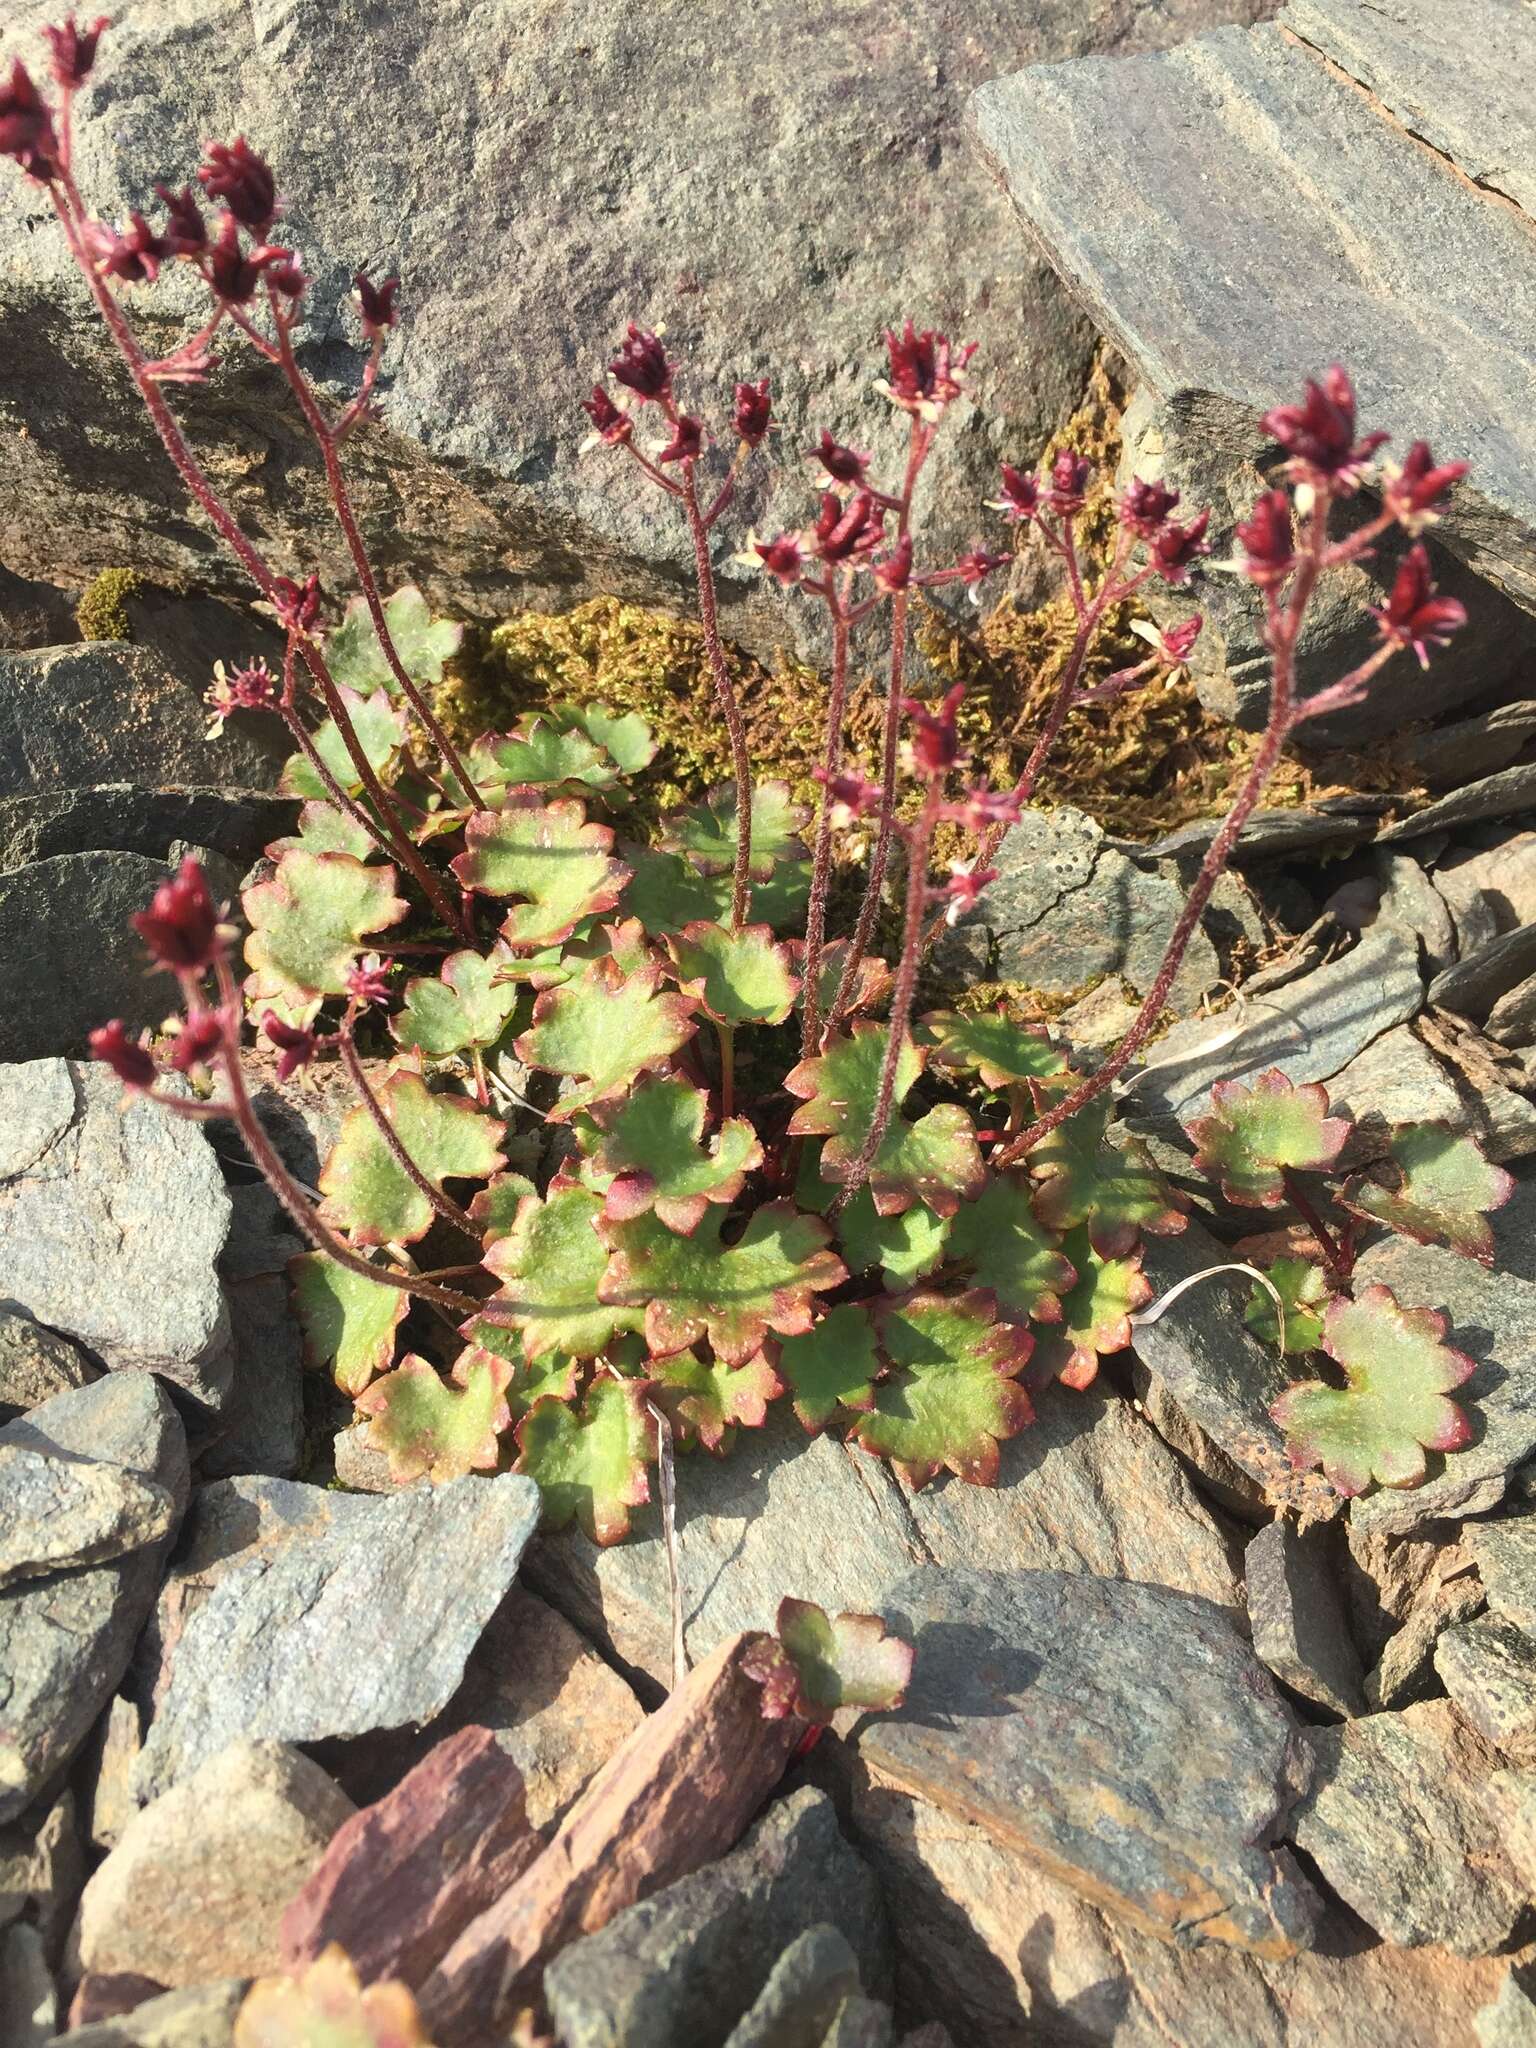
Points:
x=552 y=1377
x=550 y=1264
x=1303 y=1289
x=695 y=1287
x=590 y=1462
x=546 y=855
x=740 y=978
x=1008 y=1251
x=495 y=1208
x=355 y=656
x=1113 y=1188
x=666 y=894
x=935 y=1160
x=424 y=1425
x=380 y=730
x=462 y=1006
x=1442 y=1188
x=645 y=1152
x=540 y=754
x=602 y=1029
x=348 y=1323
x=326 y=828
x=1393 y=1407
x=954 y=1396
x=367 y=1191
x=823 y=1664
x=705 y=834
x=626 y=735
x=1257 y=1129
x=308 y=924
x=905 y=1247
x=1000 y=1053
x=707 y=1400
x=832 y=1367
x=1095 y=1314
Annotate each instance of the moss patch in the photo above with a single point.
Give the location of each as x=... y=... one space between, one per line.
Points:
x=102 y=612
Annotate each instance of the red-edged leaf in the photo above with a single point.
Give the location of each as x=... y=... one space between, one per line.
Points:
x=954 y=1394
x=557 y=867
x=823 y=1664
x=1095 y=1314
x=1113 y=1188
x=935 y=1160
x=1257 y=1129
x=706 y=1400
x=1436 y=1188
x=590 y=1462
x=424 y=1424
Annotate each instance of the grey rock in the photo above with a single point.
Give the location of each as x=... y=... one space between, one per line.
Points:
x=106 y=1772
x=121 y=818
x=1018 y=1679
x=1506 y=1561
x=1510 y=1797
x=1087 y=1488
x=1409 y=897
x=1490 y=886
x=1489 y=1669
x=1451 y=755
x=1512 y=1020
x=1297 y=1616
x=1398 y=1080
x=1067 y=908
x=1474 y=985
x=1384 y=264
x=1332 y=825
x=1396 y=1823
x=686 y=1964
x=806 y=1989
x=113 y=1223
x=36 y=1364
x=865 y=2023
x=1387 y=1577
x=363 y=1621
x=65 y=1639
x=1493 y=1319
x=29 y=2000
x=261 y=1426
x=58 y=1513
x=1510 y=2022
x=1405 y=1671
x=202 y=2017
x=42 y=1867
x=1502 y=795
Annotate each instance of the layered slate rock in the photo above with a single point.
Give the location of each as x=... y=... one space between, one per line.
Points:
x=261 y=1426
x=1296 y=1613
x=113 y=1214
x=1067 y=1718
x=808 y=1995
x=122 y=817
x=363 y=1620
x=66 y=1636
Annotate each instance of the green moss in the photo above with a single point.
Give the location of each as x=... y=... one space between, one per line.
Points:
x=102 y=612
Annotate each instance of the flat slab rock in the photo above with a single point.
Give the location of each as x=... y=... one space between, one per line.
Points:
x=362 y=1620
x=1058 y=1714
x=1228 y=285
x=113 y=1215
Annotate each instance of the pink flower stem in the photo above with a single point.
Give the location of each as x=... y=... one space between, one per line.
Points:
x=821 y=869
x=730 y=709
x=445 y=1205
x=1333 y=1251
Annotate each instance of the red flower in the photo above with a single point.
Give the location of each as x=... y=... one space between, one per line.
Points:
x=1319 y=434
x=234 y=273
x=894 y=571
x=978 y=565
x=368 y=981
x=124 y=1055
x=1414 y=492
x=1021 y=495
x=26 y=126
x=687 y=439
x=846 y=532
x=181 y=926
x=376 y=304
x=1175 y=549
x=297 y=1046
x=784 y=557
x=936 y=738
x=963 y=889
x=1175 y=644
x=843 y=465
x=641 y=364
x=613 y=426
x=297 y=606
x=981 y=808
x=185 y=231
x=1145 y=507
x=234 y=173
x=851 y=794
x=252 y=688
x=74 y=50
x=925 y=369
x=284 y=274
x=135 y=255
x=1267 y=540
x=1071 y=475
x=200 y=1037
x=1413 y=616
x=753 y=414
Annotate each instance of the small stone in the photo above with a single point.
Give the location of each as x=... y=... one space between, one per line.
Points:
x=1475 y=984
x=36 y=1364
x=363 y=1620
x=1452 y=755
x=1512 y=1020
x=1510 y=1797
x=1510 y=2022
x=197 y=1885
x=1406 y=1669
x=359 y=1468
x=1411 y=899
x=1297 y=1616
x=1396 y=1823
x=42 y=1867
x=261 y=1426
x=865 y=2023
x=401 y=1879
x=688 y=1963
x=107 y=1775
x=1396 y=1080
x=202 y=2017
x=120 y=817
x=1489 y=1669
x=1505 y=1551
x=29 y=2001
x=798 y=2007
x=1490 y=888
x=113 y=1225
x=58 y=1513
x=1017 y=1678
x=1388 y=1576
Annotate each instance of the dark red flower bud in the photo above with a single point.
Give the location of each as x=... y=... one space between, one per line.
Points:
x=1415 y=492
x=981 y=808
x=185 y=232
x=284 y=275
x=894 y=572
x=368 y=981
x=1146 y=507
x=936 y=737
x=961 y=892
x=843 y=465
x=1319 y=434
x=234 y=272
x=1413 y=615
x=753 y=414
x=26 y=126
x=1021 y=495
x=74 y=50
x=296 y=1045
x=784 y=557
x=200 y=1037
x=124 y=1055
x=376 y=304
x=686 y=442
x=641 y=365
x=850 y=532
x=1176 y=548
x=134 y=256
x=925 y=369
x=181 y=926
x=235 y=174
x=1267 y=539
x=978 y=565
x=1176 y=643
x=1071 y=475
x=851 y=794
x=297 y=607
x=613 y=426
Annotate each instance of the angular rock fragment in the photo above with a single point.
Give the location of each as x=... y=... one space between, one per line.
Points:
x=1489 y=1669
x=811 y=1984
x=42 y=1867
x=1405 y=1670
x=121 y=817
x=203 y=2017
x=1510 y=2022
x=36 y=1364
x=1505 y=1551
x=59 y=1513
x=1297 y=1616
x=261 y=1426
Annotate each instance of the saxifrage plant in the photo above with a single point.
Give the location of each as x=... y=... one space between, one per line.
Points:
x=774 y=1182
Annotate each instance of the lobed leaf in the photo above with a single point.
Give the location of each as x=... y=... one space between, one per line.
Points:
x=463 y=1005
x=831 y=1367
x=695 y=1287
x=1443 y=1189
x=706 y=1400
x=545 y=855
x=1082 y=1177
x=550 y=1264
x=348 y=1323
x=1095 y=1314
x=308 y=925
x=823 y=1664
x=706 y=834
x=1255 y=1130
x=1303 y=1291
x=905 y=1247
x=542 y=754
x=988 y=1044
x=1005 y=1248
x=380 y=729
x=589 y=1462
x=494 y=1209
x=739 y=977
x=645 y=1152
x=325 y=828
x=666 y=894
x=955 y=1396
x=325 y=2006
x=426 y=1426
x=355 y=656
x=1394 y=1405
x=552 y=1376
x=625 y=735
x=368 y=1192
x=602 y=1029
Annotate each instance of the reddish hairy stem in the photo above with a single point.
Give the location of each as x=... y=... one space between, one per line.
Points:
x=730 y=709
x=445 y=1205
x=821 y=870
x=1334 y=1256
